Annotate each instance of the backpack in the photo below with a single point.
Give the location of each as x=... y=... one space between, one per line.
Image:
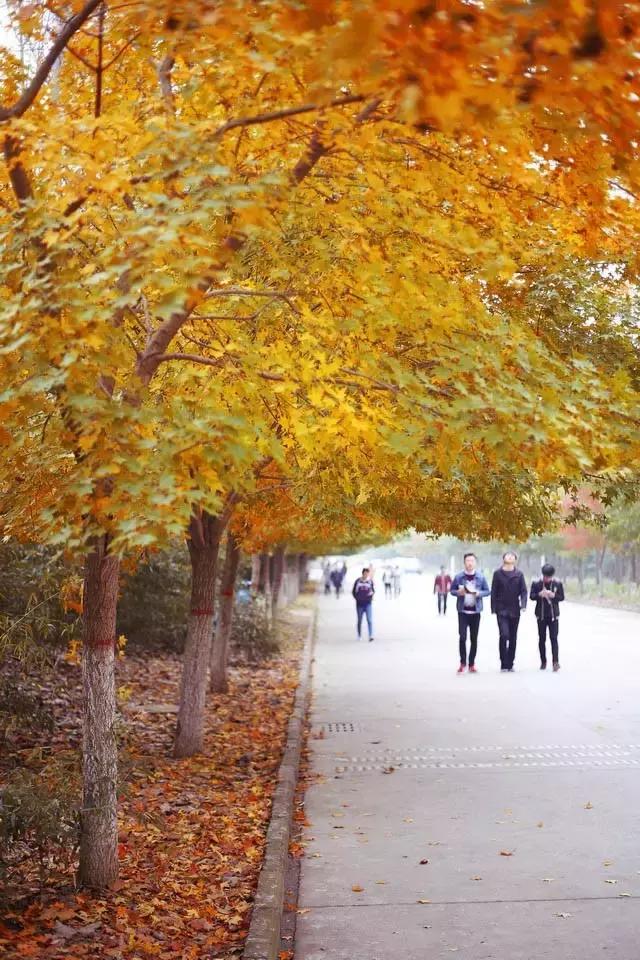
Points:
x=363 y=591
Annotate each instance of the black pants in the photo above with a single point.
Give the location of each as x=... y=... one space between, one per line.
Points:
x=542 y=639
x=472 y=622
x=442 y=603
x=508 y=627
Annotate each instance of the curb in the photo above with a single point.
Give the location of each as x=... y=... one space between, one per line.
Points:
x=263 y=939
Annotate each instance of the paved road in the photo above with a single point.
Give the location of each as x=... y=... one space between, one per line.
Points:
x=418 y=764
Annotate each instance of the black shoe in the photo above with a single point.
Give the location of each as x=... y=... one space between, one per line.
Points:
x=543 y=666
x=370 y=639
x=510 y=670
x=503 y=670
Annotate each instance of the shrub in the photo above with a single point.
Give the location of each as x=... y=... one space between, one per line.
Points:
x=253 y=636
x=39 y=817
x=153 y=606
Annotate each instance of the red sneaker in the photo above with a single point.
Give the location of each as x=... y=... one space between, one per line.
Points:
x=472 y=670
x=461 y=668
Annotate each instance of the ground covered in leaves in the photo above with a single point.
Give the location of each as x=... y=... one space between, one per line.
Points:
x=191 y=831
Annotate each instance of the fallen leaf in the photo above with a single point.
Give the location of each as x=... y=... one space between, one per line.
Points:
x=506 y=853
x=357 y=889
x=588 y=805
x=625 y=894
x=610 y=881
x=424 y=861
x=562 y=916
x=607 y=863
x=548 y=879
x=476 y=878
x=540 y=824
x=423 y=901
x=389 y=770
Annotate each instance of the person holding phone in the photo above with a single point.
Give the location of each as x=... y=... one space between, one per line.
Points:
x=547 y=594
x=469 y=587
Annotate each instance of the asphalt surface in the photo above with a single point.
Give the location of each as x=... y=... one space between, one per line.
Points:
x=477 y=816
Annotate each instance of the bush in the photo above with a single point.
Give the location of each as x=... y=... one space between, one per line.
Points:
x=34 y=625
x=21 y=708
x=153 y=606
x=39 y=817
x=253 y=636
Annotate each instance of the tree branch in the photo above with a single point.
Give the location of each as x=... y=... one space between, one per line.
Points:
x=18 y=175
x=193 y=357
x=286 y=112
x=29 y=95
x=164 y=78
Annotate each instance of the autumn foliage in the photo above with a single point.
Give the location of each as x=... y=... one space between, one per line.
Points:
x=308 y=273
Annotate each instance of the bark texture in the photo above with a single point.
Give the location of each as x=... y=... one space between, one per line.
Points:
x=278 y=571
x=218 y=682
x=205 y=532
x=255 y=574
x=303 y=570
x=99 y=820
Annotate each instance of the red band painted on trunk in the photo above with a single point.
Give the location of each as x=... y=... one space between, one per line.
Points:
x=226 y=593
x=202 y=613
x=102 y=642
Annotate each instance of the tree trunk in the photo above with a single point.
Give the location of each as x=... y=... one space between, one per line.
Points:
x=256 y=566
x=302 y=570
x=205 y=533
x=618 y=568
x=633 y=571
x=599 y=568
x=265 y=574
x=278 y=570
x=220 y=651
x=292 y=578
x=99 y=818
x=580 y=564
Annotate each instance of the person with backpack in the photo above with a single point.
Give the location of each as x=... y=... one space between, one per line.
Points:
x=547 y=594
x=441 y=586
x=508 y=599
x=336 y=580
x=469 y=587
x=363 y=591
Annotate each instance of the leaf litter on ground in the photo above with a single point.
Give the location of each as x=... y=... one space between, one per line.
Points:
x=191 y=832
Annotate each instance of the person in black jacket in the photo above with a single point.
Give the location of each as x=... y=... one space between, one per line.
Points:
x=508 y=599
x=547 y=594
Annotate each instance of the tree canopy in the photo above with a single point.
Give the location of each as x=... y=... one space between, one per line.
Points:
x=352 y=241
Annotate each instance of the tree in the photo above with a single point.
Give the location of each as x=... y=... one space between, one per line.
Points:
x=222 y=249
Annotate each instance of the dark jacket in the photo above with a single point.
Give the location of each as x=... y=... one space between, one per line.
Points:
x=547 y=609
x=481 y=586
x=508 y=592
x=363 y=601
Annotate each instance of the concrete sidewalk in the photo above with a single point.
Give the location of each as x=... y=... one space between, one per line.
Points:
x=488 y=816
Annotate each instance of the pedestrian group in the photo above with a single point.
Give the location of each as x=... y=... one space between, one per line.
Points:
x=508 y=592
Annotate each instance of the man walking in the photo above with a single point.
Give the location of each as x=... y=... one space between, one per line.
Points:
x=363 y=591
x=469 y=587
x=336 y=580
x=326 y=574
x=508 y=599
x=441 y=586
x=547 y=594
